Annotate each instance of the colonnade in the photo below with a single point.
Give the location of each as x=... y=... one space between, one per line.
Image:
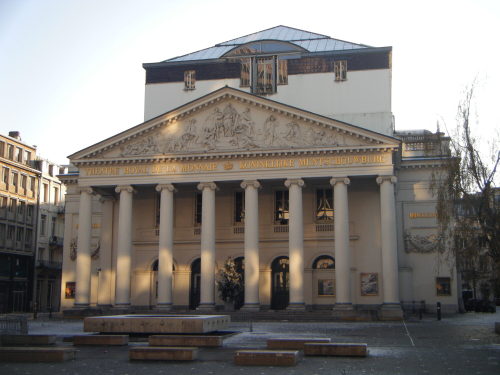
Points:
x=251 y=244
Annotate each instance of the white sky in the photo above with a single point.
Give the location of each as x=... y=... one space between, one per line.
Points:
x=71 y=73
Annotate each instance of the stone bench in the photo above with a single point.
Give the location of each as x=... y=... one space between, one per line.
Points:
x=159 y=353
x=104 y=340
x=293 y=343
x=27 y=340
x=36 y=354
x=185 y=340
x=266 y=357
x=336 y=349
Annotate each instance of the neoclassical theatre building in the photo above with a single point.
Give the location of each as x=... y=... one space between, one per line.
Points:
x=276 y=149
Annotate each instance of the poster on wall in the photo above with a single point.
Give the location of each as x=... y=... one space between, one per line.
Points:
x=326 y=287
x=443 y=286
x=69 y=290
x=369 y=284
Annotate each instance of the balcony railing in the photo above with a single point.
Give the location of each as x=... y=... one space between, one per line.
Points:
x=49 y=264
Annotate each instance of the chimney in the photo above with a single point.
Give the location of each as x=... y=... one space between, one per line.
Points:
x=15 y=135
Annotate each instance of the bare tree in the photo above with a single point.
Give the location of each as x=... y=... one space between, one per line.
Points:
x=468 y=208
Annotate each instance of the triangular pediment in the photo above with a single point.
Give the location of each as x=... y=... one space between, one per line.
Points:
x=230 y=121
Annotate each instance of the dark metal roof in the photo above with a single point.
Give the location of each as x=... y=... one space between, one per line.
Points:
x=309 y=41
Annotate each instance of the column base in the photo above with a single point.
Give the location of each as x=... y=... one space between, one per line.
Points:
x=296 y=306
x=391 y=311
x=206 y=307
x=164 y=306
x=344 y=306
x=251 y=307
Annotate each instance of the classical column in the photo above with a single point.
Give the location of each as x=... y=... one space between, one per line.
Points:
x=166 y=246
x=207 y=295
x=104 y=297
x=342 y=254
x=83 y=260
x=296 y=243
x=390 y=278
x=124 y=251
x=251 y=244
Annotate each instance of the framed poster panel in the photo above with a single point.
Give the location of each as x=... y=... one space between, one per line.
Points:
x=369 y=284
x=326 y=287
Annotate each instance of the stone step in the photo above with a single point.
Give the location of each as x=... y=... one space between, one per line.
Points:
x=336 y=349
x=253 y=357
x=293 y=342
x=185 y=340
x=160 y=353
x=104 y=340
x=27 y=340
x=36 y=354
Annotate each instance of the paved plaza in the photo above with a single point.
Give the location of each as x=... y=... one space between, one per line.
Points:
x=459 y=344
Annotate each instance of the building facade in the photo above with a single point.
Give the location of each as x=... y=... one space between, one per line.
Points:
x=276 y=149
x=18 y=218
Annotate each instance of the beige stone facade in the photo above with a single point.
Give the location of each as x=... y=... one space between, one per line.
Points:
x=323 y=214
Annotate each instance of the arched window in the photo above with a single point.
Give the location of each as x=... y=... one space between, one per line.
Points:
x=324 y=262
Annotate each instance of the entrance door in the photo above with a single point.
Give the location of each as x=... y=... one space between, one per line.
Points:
x=194 y=290
x=280 y=283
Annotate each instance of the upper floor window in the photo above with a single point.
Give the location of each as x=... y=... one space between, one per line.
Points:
x=189 y=79
x=239 y=207
x=263 y=74
x=14 y=177
x=19 y=154
x=281 y=210
x=10 y=152
x=340 y=69
x=43 y=225
x=5 y=177
x=324 y=205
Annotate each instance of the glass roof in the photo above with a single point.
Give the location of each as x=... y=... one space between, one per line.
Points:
x=280 y=39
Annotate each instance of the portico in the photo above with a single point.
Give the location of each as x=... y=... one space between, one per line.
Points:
x=272 y=198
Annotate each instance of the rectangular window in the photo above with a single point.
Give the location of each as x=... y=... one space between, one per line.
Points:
x=2 y=234
x=281 y=212
x=324 y=205
x=29 y=236
x=11 y=230
x=197 y=208
x=56 y=195
x=340 y=69
x=189 y=79
x=19 y=154
x=27 y=156
x=265 y=75
x=45 y=193
x=53 y=226
x=24 y=179
x=282 y=72
x=5 y=178
x=32 y=183
x=29 y=211
x=19 y=234
x=246 y=65
x=3 y=206
x=13 y=205
x=43 y=225
x=239 y=207
x=14 y=178
x=20 y=210
x=10 y=152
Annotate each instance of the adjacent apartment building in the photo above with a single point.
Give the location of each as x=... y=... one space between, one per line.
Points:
x=31 y=222
x=276 y=149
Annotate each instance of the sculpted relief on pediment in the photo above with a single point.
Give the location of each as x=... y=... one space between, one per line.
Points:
x=227 y=128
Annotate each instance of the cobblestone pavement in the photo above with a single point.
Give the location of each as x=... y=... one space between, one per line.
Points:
x=459 y=344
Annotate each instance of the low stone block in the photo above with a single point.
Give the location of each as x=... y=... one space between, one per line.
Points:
x=266 y=357
x=336 y=349
x=185 y=340
x=293 y=343
x=36 y=354
x=27 y=340
x=105 y=340
x=159 y=353
x=497 y=327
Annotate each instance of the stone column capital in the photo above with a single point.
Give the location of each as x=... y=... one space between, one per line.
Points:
x=207 y=185
x=127 y=188
x=391 y=179
x=294 y=181
x=337 y=180
x=246 y=183
x=168 y=187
